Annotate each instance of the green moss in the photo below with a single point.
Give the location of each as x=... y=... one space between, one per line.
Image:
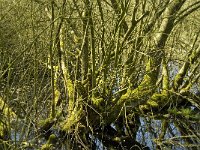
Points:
x=173 y=111
x=47 y=147
x=157 y=99
x=151 y=72
x=72 y=119
x=148 y=65
x=165 y=81
x=5 y=112
x=196 y=116
x=1 y=130
x=46 y=124
x=177 y=81
x=152 y=103
x=179 y=77
x=6 y=109
x=146 y=87
x=57 y=96
x=117 y=139
x=97 y=101
x=126 y=95
x=52 y=139
x=186 y=112
x=70 y=87
x=143 y=107
x=49 y=143
x=146 y=82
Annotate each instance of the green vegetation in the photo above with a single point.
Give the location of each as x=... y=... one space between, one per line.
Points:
x=114 y=74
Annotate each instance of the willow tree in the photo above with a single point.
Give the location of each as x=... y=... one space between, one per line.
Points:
x=113 y=63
